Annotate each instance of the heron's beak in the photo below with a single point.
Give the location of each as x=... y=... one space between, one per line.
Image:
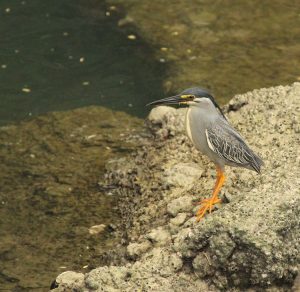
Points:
x=176 y=99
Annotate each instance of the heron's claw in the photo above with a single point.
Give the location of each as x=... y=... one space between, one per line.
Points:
x=206 y=205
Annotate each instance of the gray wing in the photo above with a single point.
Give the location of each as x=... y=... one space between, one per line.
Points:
x=228 y=144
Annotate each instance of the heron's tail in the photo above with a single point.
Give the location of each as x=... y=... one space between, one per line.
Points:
x=256 y=162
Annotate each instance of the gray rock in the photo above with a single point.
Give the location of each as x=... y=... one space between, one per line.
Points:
x=160 y=115
x=165 y=121
x=69 y=281
x=183 y=244
x=179 y=219
x=158 y=271
x=181 y=204
x=183 y=175
x=202 y=265
x=136 y=249
x=159 y=236
x=252 y=242
x=222 y=247
x=258 y=231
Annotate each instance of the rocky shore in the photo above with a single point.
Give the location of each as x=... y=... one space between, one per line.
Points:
x=250 y=243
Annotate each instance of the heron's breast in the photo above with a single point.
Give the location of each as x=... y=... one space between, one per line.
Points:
x=188 y=124
x=196 y=123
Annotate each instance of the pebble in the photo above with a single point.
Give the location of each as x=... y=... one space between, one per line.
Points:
x=26 y=89
x=96 y=229
x=131 y=37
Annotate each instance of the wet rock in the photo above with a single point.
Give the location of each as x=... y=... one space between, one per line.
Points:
x=125 y=21
x=96 y=229
x=181 y=204
x=58 y=190
x=50 y=166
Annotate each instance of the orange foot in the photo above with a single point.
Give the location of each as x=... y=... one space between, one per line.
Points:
x=207 y=205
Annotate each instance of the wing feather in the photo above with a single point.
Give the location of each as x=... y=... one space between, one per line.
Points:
x=228 y=144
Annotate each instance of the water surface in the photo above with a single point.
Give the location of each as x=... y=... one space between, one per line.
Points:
x=58 y=55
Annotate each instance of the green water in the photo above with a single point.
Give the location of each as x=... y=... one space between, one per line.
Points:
x=70 y=54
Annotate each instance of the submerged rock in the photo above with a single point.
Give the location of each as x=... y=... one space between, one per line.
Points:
x=49 y=193
x=96 y=229
x=252 y=242
x=209 y=44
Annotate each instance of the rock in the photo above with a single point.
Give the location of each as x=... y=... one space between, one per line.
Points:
x=183 y=175
x=252 y=242
x=159 y=236
x=183 y=244
x=222 y=247
x=166 y=121
x=108 y=278
x=96 y=229
x=259 y=230
x=179 y=219
x=68 y=281
x=181 y=204
x=160 y=114
x=159 y=271
x=125 y=21
x=296 y=286
x=203 y=265
x=134 y=249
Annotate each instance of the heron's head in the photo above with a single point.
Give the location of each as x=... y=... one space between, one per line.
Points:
x=188 y=96
x=192 y=96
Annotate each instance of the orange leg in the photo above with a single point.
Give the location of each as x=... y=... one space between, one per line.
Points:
x=208 y=204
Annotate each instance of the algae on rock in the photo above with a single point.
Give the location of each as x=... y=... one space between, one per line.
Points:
x=50 y=168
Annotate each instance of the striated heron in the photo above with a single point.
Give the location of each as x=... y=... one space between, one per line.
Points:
x=211 y=134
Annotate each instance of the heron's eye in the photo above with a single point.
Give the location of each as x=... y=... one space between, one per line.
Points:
x=188 y=96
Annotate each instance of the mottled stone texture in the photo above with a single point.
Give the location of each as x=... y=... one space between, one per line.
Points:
x=249 y=243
